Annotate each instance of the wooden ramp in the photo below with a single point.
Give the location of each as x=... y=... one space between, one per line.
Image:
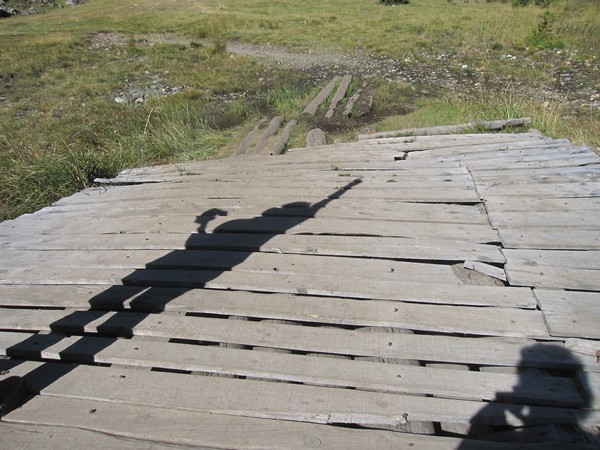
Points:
x=428 y=292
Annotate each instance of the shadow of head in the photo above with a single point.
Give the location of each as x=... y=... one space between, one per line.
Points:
x=539 y=363
x=208 y=215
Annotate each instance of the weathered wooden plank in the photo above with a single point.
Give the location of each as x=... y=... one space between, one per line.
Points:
x=450 y=195
x=274 y=306
x=464 y=138
x=550 y=190
x=339 y=95
x=428 y=249
x=546 y=276
x=311 y=339
x=271 y=130
x=492 y=271
x=568 y=302
x=589 y=220
x=591 y=384
x=351 y=209
x=558 y=238
x=449 y=129
x=241 y=149
x=535 y=163
x=27 y=436
x=563 y=258
x=486 y=150
x=329 y=372
x=264 y=224
x=259 y=399
x=389 y=208
x=587 y=351
x=352 y=100
x=156 y=427
x=573 y=325
x=317 y=285
x=531 y=179
x=421 y=317
x=321 y=97
x=232 y=260
x=521 y=175
x=279 y=147
x=501 y=203
x=565 y=435
x=504 y=157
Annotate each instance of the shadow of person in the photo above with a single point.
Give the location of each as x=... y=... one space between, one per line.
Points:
x=118 y=310
x=522 y=417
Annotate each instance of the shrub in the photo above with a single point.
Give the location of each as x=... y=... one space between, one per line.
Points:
x=544 y=35
x=540 y=3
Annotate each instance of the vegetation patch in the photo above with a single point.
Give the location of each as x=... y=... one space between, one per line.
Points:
x=90 y=89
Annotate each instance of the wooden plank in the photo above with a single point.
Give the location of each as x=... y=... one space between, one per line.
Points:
x=553 y=238
x=568 y=302
x=238 y=303
x=508 y=156
x=311 y=339
x=260 y=399
x=464 y=138
x=531 y=179
x=398 y=187
x=563 y=258
x=351 y=208
x=321 y=97
x=492 y=271
x=363 y=209
x=156 y=427
x=502 y=204
x=271 y=130
x=328 y=181
x=512 y=176
x=450 y=129
x=26 y=436
x=317 y=285
x=587 y=220
x=536 y=163
x=263 y=225
x=568 y=190
x=279 y=147
x=329 y=372
x=339 y=95
x=485 y=149
x=573 y=325
x=356 y=246
x=587 y=351
x=552 y=276
x=591 y=383
x=232 y=260
x=241 y=149
x=421 y=317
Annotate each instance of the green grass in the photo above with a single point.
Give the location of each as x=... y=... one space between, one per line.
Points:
x=60 y=126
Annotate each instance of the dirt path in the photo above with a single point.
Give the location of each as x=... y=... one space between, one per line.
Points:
x=573 y=82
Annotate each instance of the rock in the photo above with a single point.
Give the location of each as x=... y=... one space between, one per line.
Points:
x=316 y=137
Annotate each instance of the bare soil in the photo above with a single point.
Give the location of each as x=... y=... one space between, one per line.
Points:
x=572 y=80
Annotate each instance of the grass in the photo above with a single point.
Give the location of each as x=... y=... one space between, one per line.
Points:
x=60 y=127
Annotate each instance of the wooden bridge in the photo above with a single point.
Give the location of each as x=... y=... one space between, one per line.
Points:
x=425 y=292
